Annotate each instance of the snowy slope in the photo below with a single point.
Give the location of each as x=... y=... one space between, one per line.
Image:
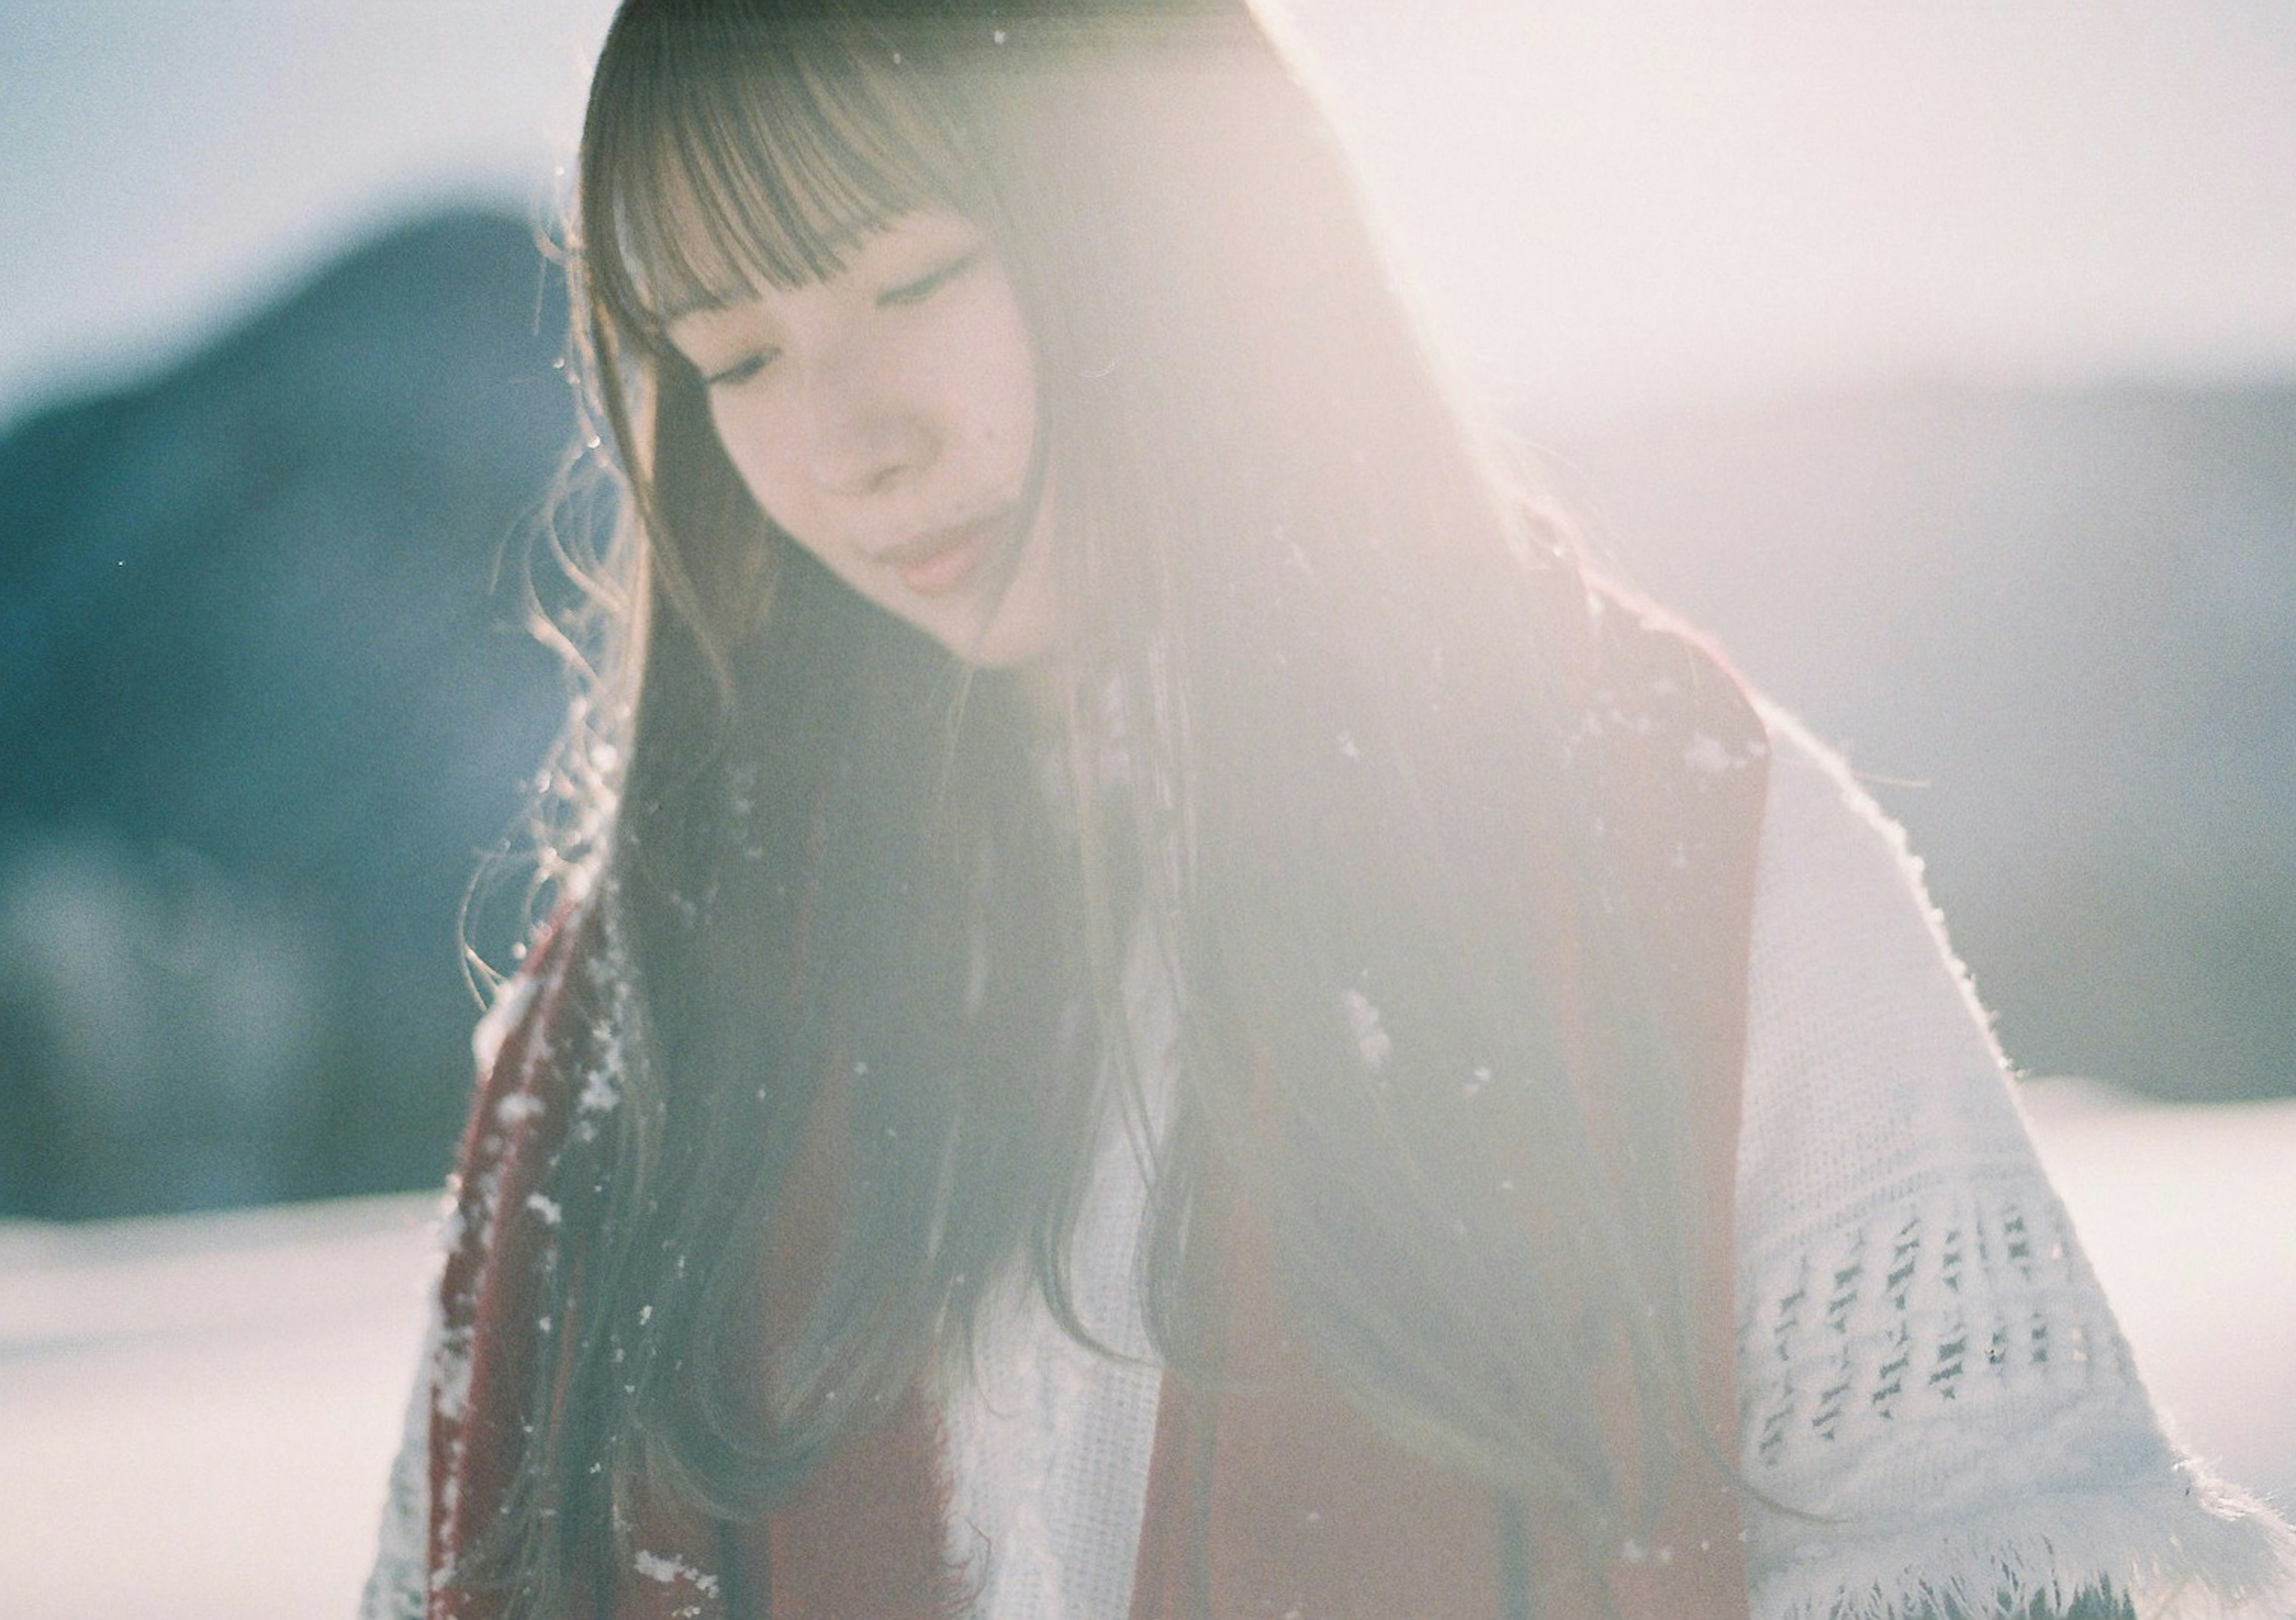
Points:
x=196 y=1413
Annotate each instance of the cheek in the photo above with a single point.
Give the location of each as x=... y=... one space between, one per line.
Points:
x=757 y=444
x=988 y=363
x=1011 y=412
x=1009 y=392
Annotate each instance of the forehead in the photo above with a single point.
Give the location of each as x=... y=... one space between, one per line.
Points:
x=712 y=181
x=685 y=251
x=911 y=245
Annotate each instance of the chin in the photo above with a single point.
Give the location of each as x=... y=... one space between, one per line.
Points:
x=1003 y=645
x=1021 y=628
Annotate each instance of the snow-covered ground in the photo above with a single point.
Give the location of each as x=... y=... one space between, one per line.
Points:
x=2189 y=1216
x=196 y=1414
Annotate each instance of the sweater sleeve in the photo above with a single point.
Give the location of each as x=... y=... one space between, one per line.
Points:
x=397 y=1584
x=1933 y=1396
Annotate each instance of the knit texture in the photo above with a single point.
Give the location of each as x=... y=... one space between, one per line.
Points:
x=1931 y=1388
x=1927 y=1368
x=1050 y=1440
x=395 y=1586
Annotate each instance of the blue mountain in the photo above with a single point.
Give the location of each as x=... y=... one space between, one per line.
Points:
x=265 y=695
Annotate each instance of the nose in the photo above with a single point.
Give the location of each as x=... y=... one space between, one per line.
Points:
x=864 y=435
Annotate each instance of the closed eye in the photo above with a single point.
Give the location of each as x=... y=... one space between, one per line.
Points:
x=741 y=370
x=918 y=291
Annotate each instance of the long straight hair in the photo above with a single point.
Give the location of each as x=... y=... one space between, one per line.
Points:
x=1311 y=749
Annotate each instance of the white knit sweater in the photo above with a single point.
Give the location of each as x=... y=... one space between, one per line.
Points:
x=1927 y=1370
x=1924 y=1358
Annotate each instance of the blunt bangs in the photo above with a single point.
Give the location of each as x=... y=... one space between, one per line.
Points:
x=725 y=154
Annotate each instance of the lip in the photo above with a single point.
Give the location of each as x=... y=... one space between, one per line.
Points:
x=946 y=561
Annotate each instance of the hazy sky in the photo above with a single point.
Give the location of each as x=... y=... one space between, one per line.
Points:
x=1605 y=206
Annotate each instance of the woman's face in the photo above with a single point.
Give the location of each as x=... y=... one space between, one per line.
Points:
x=886 y=418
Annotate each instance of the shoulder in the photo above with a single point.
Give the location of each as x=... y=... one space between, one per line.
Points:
x=1675 y=750
x=1866 y=1045
x=543 y=1030
x=1836 y=878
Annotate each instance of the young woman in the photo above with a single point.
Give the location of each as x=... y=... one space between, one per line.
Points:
x=1160 y=1010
